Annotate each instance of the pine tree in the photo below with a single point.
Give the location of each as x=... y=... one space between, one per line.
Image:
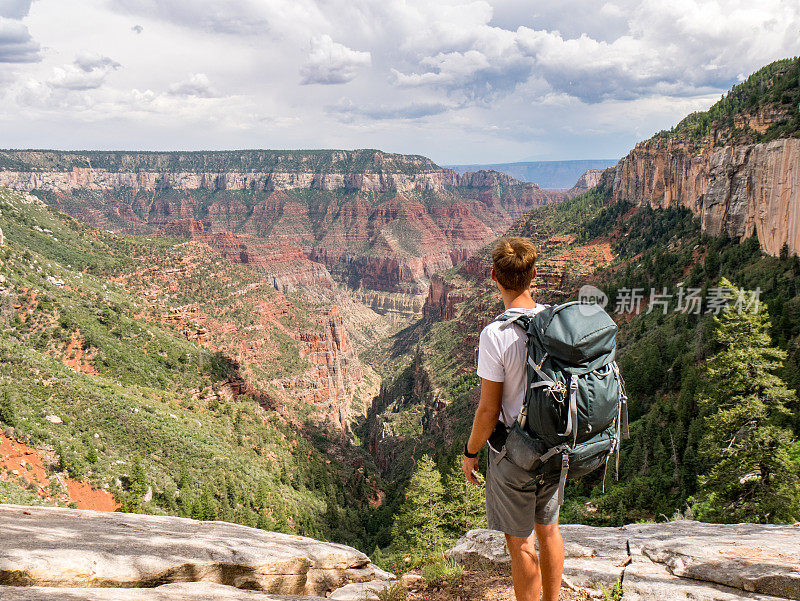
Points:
x=138 y=478
x=418 y=525
x=465 y=503
x=746 y=442
x=8 y=413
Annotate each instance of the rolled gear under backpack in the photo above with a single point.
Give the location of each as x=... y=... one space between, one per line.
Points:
x=575 y=411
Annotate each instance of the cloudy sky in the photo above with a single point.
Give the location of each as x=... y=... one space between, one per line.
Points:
x=459 y=81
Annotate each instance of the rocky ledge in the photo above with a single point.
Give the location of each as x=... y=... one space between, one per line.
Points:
x=56 y=553
x=676 y=561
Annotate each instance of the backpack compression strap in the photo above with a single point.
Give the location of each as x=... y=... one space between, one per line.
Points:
x=622 y=415
x=559 y=388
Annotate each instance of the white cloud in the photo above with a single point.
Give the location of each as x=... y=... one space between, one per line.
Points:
x=16 y=43
x=219 y=16
x=330 y=62
x=232 y=17
x=197 y=85
x=87 y=72
x=89 y=61
x=456 y=79
x=14 y=9
x=350 y=112
x=684 y=48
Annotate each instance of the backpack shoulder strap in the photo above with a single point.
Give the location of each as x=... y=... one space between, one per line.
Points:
x=520 y=319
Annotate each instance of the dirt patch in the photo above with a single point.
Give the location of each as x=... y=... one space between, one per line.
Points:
x=28 y=310
x=479 y=586
x=25 y=466
x=86 y=497
x=76 y=357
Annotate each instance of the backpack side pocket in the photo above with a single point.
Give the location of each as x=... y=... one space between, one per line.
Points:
x=523 y=450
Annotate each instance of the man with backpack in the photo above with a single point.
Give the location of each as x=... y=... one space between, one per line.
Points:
x=502 y=367
x=552 y=405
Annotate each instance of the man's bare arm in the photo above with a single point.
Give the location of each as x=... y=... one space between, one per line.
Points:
x=486 y=417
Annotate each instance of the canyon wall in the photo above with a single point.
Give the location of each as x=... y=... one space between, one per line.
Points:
x=588 y=180
x=84 y=178
x=362 y=170
x=373 y=221
x=738 y=190
x=283 y=351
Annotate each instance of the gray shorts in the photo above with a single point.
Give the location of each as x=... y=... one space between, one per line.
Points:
x=512 y=509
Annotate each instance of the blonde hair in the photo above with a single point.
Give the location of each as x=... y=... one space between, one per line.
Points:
x=514 y=262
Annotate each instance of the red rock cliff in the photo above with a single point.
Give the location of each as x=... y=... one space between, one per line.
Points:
x=741 y=190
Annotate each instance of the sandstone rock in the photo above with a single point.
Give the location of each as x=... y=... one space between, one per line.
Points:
x=738 y=190
x=585 y=182
x=184 y=591
x=648 y=581
x=408 y=580
x=479 y=548
x=678 y=560
x=750 y=557
x=361 y=591
x=56 y=547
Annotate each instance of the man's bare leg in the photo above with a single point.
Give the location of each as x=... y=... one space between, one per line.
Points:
x=551 y=558
x=524 y=567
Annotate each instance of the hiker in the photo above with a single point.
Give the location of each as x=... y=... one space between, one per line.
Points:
x=510 y=508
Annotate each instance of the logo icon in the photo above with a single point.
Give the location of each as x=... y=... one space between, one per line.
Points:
x=591 y=295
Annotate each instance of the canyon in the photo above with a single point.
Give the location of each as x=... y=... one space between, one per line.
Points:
x=353 y=237
x=381 y=224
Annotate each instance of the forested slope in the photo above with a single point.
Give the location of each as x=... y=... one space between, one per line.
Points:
x=150 y=404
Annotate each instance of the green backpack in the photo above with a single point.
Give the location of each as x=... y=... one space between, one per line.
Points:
x=575 y=410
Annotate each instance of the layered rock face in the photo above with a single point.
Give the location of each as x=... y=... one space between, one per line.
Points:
x=585 y=182
x=256 y=327
x=99 y=179
x=375 y=221
x=336 y=375
x=681 y=560
x=127 y=556
x=739 y=190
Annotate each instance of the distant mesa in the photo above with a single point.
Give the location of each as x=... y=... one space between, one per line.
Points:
x=551 y=175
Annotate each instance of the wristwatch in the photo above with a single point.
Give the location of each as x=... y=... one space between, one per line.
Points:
x=467 y=453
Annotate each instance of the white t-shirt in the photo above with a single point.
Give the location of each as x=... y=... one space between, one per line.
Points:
x=502 y=357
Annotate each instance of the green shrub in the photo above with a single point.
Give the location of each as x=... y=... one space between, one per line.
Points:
x=396 y=592
x=614 y=593
x=70 y=461
x=8 y=410
x=442 y=572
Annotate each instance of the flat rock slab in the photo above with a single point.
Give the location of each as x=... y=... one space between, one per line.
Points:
x=648 y=581
x=361 y=591
x=57 y=547
x=754 y=558
x=595 y=556
x=691 y=560
x=184 y=591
